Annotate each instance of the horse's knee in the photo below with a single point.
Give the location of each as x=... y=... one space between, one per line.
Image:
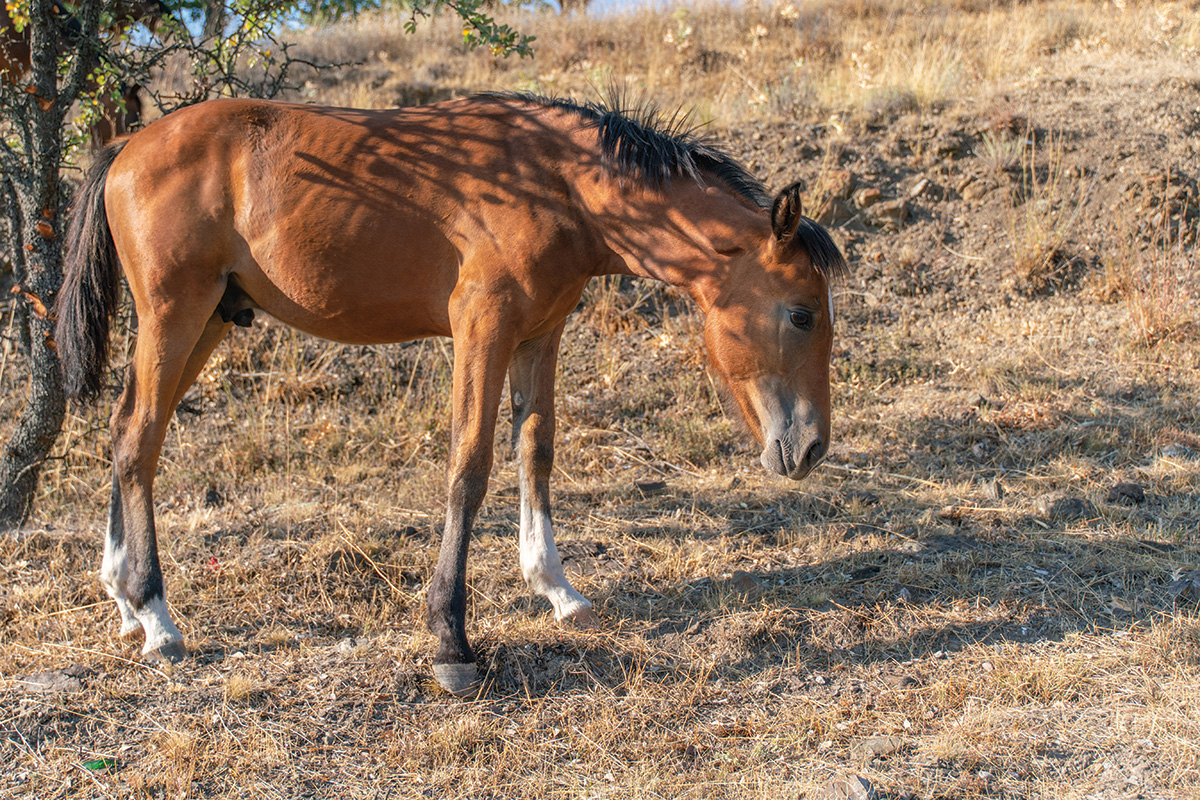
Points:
x=468 y=486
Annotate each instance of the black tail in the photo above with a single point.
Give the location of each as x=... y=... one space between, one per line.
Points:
x=91 y=286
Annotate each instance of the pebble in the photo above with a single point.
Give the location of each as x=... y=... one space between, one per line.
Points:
x=1058 y=506
x=58 y=681
x=889 y=216
x=1126 y=494
x=855 y=787
x=993 y=490
x=875 y=747
x=742 y=582
x=1185 y=586
x=865 y=198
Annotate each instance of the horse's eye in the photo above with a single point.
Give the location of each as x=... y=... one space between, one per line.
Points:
x=802 y=319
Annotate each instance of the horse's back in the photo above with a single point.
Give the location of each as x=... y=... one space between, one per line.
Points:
x=351 y=224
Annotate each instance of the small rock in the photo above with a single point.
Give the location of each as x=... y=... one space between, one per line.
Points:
x=1126 y=494
x=875 y=747
x=842 y=184
x=1177 y=450
x=853 y=788
x=904 y=595
x=890 y=215
x=993 y=490
x=865 y=198
x=918 y=188
x=986 y=666
x=650 y=487
x=833 y=212
x=349 y=646
x=1059 y=507
x=977 y=190
x=58 y=681
x=742 y=582
x=1185 y=587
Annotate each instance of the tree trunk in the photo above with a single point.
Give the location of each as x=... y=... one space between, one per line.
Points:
x=37 y=203
x=38 y=427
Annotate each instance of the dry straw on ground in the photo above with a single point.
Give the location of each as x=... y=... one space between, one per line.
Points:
x=959 y=604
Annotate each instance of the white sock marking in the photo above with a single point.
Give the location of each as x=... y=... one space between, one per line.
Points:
x=156 y=621
x=540 y=563
x=113 y=571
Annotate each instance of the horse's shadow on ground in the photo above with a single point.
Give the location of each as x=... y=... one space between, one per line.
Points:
x=940 y=589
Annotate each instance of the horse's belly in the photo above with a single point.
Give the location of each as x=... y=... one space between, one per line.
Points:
x=364 y=292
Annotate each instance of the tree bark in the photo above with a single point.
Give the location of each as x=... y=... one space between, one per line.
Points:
x=36 y=216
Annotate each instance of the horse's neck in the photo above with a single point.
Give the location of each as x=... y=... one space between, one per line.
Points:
x=684 y=235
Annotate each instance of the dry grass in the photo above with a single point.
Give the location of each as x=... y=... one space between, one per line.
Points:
x=823 y=61
x=1046 y=211
x=757 y=633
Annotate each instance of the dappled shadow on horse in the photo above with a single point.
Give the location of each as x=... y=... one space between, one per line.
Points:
x=480 y=219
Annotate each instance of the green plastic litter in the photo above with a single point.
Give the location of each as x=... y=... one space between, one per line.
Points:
x=100 y=763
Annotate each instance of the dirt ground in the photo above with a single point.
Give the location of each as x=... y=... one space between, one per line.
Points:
x=990 y=589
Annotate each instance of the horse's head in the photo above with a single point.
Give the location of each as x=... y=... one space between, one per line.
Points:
x=769 y=335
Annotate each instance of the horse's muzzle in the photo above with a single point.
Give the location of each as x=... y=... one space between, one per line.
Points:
x=782 y=455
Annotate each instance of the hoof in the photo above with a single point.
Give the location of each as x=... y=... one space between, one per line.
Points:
x=585 y=619
x=168 y=655
x=460 y=680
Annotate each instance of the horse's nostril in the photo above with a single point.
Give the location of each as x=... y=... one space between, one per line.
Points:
x=815 y=453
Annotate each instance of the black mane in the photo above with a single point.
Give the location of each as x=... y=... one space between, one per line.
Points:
x=643 y=143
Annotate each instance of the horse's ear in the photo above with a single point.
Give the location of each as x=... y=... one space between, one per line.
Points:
x=786 y=213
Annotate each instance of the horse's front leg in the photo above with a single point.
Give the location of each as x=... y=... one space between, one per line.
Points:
x=531 y=381
x=481 y=354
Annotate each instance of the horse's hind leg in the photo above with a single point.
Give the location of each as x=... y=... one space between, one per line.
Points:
x=531 y=381
x=163 y=369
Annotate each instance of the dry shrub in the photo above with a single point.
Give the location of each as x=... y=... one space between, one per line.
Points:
x=1041 y=225
x=1152 y=263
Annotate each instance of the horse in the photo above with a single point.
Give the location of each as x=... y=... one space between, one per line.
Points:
x=480 y=219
